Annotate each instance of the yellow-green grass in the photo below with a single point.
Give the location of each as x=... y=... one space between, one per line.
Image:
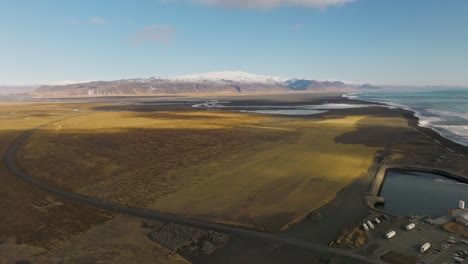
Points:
x=121 y=240
x=124 y=156
x=251 y=170
x=29 y=215
x=38 y=227
x=275 y=184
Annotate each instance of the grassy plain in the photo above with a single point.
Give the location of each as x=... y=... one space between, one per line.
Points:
x=34 y=223
x=120 y=240
x=258 y=171
x=276 y=184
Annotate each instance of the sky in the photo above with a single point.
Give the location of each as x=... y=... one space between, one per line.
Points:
x=414 y=42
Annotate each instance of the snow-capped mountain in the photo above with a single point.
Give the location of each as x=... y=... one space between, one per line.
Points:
x=225 y=82
x=229 y=76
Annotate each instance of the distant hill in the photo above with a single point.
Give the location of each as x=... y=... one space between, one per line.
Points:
x=311 y=85
x=228 y=82
x=369 y=87
x=17 y=89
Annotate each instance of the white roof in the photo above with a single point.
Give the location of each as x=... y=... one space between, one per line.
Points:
x=460 y=213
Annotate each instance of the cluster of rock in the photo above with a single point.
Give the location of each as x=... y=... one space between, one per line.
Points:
x=188 y=241
x=355 y=238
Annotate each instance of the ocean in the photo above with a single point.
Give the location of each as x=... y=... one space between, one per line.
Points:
x=444 y=111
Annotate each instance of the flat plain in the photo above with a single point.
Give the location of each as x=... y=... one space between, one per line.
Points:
x=37 y=227
x=258 y=171
x=290 y=174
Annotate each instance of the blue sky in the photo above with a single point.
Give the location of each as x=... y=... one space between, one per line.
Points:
x=379 y=41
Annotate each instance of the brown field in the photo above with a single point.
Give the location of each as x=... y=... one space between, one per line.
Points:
x=275 y=184
x=251 y=170
x=34 y=223
x=120 y=240
x=265 y=172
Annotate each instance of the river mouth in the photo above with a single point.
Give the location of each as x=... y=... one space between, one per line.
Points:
x=418 y=193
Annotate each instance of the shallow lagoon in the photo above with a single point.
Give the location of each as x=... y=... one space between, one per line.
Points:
x=288 y=112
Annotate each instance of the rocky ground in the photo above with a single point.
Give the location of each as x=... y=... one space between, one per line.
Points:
x=188 y=241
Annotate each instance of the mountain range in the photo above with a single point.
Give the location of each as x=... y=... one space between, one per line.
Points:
x=227 y=82
x=17 y=89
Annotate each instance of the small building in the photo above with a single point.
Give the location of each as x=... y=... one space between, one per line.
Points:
x=461 y=216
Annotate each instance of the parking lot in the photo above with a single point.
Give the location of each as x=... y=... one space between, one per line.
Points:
x=445 y=253
x=445 y=256
x=412 y=240
x=409 y=242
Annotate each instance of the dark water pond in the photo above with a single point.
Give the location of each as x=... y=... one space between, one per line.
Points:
x=421 y=193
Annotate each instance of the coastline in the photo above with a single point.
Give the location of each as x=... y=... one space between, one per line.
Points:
x=406 y=144
x=351 y=199
x=435 y=135
x=420 y=119
x=414 y=121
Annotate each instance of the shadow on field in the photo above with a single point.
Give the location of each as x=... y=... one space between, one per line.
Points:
x=376 y=136
x=133 y=166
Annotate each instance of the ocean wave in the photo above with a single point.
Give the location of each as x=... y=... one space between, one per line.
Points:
x=457 y=130
x=428 y=121
x=456 y=133
x=449 y=124
x=441 y=113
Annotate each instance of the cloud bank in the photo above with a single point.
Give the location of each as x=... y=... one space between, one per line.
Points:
x=270 y=4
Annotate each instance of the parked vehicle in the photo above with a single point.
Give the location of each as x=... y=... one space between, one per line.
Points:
x=425 y=247
x=365 y=227
x=390 y=234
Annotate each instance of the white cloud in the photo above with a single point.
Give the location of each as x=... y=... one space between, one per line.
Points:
x=270 y=4
x=158 y=33
x=97 y=20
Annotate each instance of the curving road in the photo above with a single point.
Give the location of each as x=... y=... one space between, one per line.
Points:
x=10 y=162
